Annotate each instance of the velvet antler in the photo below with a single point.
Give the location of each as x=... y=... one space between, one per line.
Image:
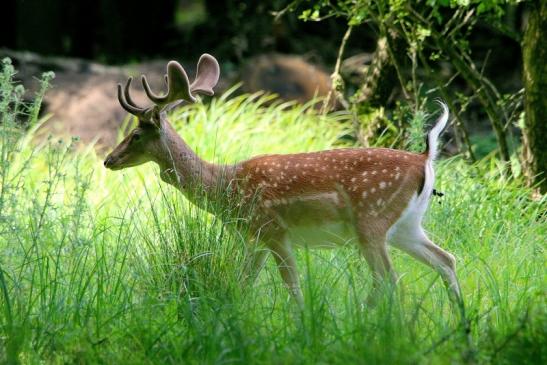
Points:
x=178 y=86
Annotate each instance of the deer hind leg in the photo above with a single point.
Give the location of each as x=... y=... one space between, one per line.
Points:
x=374 y=249
x=254 y=263
x=413 y=240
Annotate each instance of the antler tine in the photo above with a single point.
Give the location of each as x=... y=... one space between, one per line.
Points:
x=177 y=86
x=128 y=96
x=155 y=98
x=126 y=102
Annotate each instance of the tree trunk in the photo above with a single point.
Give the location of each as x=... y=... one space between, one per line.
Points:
x=534 y=52
x=381 y=75
x=381 y=78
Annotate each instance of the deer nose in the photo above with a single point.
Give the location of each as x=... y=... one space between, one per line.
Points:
x=107 y=161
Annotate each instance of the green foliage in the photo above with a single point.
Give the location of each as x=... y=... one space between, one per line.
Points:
x=415 y=131
x=400 y=15
x=116 y=267
x=430 y=31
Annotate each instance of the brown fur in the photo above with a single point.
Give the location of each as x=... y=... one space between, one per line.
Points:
x=373 y=183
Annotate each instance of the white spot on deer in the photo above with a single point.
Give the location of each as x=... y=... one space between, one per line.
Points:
x=389 y=183
x=373 y=190
x=365 y=173
x=369 y=159
x=267 y=203
x=382 y=185
x=384 y=171
x=374 y=172
x=353 y=179
x=275 y=185
x=379 y=202
x=397 y=168
x=270 y=169
x=365 y=180
x=297 y=165
x=397 y=176
x=257 y=170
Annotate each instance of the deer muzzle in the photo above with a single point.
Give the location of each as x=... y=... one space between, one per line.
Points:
x=109 y=163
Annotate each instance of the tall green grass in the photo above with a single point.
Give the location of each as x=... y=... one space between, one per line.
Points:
x=117 y=268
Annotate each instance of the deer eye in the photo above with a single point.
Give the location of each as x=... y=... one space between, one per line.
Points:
x=136 y=137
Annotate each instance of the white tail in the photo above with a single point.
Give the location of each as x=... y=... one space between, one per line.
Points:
x=433 y=135
x=431 y=152
x=364 y=196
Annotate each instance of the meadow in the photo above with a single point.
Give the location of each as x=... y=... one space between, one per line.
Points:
x=117 y=268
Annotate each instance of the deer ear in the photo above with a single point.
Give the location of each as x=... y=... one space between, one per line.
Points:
x=207 y=75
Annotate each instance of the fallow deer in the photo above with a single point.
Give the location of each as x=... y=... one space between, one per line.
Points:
x=369 y=196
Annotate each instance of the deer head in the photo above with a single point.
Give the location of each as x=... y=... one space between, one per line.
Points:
x=145 y=143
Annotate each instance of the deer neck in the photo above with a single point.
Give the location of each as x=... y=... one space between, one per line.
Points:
x=181 y=167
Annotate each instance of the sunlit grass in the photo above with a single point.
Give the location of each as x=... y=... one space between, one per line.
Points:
x=116 y=267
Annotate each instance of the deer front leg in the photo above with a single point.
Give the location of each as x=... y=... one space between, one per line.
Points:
x=254 y=263
x=286 y=264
